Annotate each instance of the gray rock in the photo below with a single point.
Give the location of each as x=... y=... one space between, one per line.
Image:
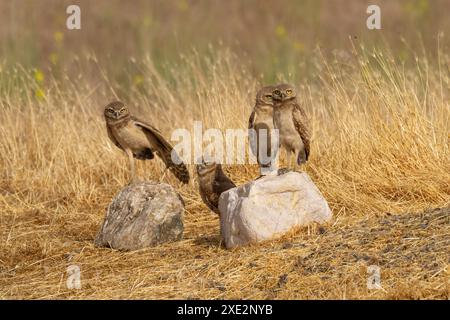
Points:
x=269 y=207
x=143 y=214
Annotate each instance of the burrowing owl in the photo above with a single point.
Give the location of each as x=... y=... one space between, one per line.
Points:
x=291 y=121
x=261 y=121
x=140 y=140
x=212 y=181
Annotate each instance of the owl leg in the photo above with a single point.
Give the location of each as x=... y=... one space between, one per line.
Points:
x=301 y=156
x=296 y=164
x=132 y=168
x=289 y=159
x=283 y=153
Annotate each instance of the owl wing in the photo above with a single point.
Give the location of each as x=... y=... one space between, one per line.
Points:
x=300 y=119
x=222 y=182
x=112 y=138
x=164 y=150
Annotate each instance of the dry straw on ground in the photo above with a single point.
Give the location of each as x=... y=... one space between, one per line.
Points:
x=380 y=155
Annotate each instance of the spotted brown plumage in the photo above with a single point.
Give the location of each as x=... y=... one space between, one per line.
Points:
x=212 y=182
x=291 y=121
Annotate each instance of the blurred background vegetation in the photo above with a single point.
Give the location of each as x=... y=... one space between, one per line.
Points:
x=272 y=39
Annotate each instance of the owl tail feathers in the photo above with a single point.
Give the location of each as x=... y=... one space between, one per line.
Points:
x=175 y=164
x=180 y=171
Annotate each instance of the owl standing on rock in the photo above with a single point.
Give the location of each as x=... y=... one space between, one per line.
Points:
x=141 y=140
x=260 y=125
x=291 y=121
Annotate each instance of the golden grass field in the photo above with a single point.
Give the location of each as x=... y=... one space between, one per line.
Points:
x=380 y=156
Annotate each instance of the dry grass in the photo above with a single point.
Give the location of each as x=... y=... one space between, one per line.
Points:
x=380 y=153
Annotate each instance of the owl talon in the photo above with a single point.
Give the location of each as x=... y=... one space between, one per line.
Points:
x=283 y=171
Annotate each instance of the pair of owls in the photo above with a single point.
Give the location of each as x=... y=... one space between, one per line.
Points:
x=276 y=107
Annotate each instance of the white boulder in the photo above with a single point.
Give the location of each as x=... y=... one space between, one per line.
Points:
x=270 y=206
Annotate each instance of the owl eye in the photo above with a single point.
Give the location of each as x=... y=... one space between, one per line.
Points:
x=110 y=110
x=277 y=92
x=288 y=91
x=122 y=110
x=269 y=96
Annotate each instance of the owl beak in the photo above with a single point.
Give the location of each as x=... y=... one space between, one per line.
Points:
x=117 y=114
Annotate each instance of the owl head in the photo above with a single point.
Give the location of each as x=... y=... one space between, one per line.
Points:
x=264 y=96
x=116 y=110
x=206 y=166
x=284 y=92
